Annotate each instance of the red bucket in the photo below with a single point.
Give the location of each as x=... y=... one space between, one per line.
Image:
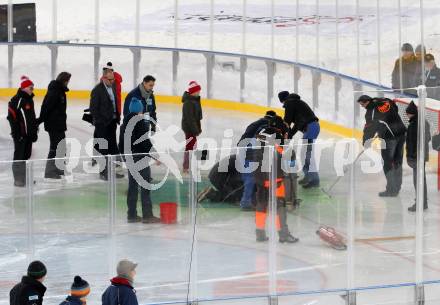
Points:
x=168 y=212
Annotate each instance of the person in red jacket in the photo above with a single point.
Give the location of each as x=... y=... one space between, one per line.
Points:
x=24 y=128
x=118 y=84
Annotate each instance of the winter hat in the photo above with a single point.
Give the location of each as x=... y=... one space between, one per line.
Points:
x=36 y=270
x=429 y=57
x=364 y=98
x=419 y=49
x=80 y=288
x=270 y=113
x=125 y=267
x=407 y=47
x=283 y=95
x=109 y=66
x=136 y=105
x=412 y=108
x=25 y=82
x=193 y=87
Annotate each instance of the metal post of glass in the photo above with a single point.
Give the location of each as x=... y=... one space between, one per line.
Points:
x=421 y=92
x=176 y=24
x=30 y=208
x=54 y=20
x=211 y=25
x=10 y=39
x=111 y=196
x=351 y=221
x=243 y=28
x=358 y=42
x=272 y=29
x=193 y=207
x=272 y=208
x=399 y=14
x=137 y=22
x=378 y=36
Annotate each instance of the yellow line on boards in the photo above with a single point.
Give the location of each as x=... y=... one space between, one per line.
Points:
x=219 y=104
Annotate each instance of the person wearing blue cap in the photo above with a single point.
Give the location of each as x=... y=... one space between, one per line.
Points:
x=137 y=151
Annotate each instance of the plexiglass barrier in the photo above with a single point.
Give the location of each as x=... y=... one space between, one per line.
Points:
x=206 y=243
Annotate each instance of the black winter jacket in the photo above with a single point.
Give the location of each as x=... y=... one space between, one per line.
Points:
x=21 y=116
x=101 y=106
x=247 y=141
x=191 y=114
x=411 y=139
x=53 y=109
x=149 y=104
x=433 y=83
x=382 y=117
x=140 y=129
x=28 y=292
x=298 y=113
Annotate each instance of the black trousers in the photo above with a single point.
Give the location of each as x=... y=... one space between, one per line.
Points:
x=22 y=152
x=413 y=165
x=57 y=144
x=392 y=157
x=108 y=134
x=132 y=195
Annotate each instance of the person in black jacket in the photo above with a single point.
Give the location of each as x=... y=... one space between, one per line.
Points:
x=411 y=150
x=432 y=77
x=298 y=113
x=135 y=127
x=191 y=119
x=106 y=116
x=24 y=128
x=227 y=185
x=79 y=290
x=144 y=92
x=121 y=291
x=382 y=119
x=246 y=149
x=30 y=291
x=53 y=115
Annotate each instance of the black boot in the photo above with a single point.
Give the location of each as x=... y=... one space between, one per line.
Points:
x=303 y=181
x=261 y=235
x=413 y=208
x=286 y=237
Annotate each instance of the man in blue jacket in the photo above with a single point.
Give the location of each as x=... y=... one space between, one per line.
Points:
x=121 y=291
x=144 y=92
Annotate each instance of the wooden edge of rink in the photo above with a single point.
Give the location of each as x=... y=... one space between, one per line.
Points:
x=385 y=238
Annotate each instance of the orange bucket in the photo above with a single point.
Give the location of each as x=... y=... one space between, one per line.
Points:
x=168 y=212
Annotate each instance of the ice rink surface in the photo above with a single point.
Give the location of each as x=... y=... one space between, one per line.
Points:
x=72 y=234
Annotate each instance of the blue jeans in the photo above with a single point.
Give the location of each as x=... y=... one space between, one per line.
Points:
x=248 y=188
x=309 y=168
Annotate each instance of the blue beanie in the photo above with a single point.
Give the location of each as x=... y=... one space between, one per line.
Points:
x=136 y=105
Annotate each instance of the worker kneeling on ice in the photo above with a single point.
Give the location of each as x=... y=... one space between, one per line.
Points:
x=268 y=136
x=227 y=185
